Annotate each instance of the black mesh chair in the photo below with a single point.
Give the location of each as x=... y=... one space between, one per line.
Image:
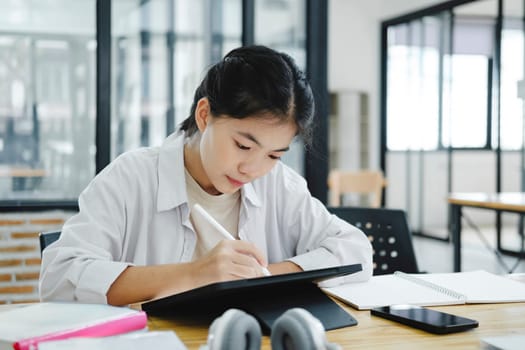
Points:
x=388 y=231
x=46 y=238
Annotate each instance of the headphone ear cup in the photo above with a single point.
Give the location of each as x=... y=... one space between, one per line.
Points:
x=298 y=329
x=234 y=330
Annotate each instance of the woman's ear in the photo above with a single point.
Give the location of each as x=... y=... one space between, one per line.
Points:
x=202 y=114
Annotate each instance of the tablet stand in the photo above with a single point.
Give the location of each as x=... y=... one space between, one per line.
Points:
x=267 y=308
x=265 y=305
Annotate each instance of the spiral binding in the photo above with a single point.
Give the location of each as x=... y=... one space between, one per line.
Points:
x=443 y=290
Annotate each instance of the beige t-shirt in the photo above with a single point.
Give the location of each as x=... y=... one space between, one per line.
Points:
x=223 y=208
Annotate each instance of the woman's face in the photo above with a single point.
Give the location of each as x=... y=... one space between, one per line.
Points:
x=236 y=151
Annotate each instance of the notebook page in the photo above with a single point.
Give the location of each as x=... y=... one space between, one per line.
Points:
x=389 y=290
x=479 y=286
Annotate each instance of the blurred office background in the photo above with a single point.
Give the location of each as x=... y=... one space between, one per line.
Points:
x=429 y=92
x=159 y=50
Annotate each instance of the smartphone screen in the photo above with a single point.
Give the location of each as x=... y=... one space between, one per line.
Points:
x=426 y=319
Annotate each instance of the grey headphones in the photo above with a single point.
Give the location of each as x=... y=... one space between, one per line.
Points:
x=296 y=329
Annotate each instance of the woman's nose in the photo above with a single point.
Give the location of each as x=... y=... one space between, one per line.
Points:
x=252 y=167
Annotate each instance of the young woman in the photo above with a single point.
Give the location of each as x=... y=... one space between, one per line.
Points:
x=135 y=237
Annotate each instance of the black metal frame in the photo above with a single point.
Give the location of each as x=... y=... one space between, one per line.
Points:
x=10 y=206
x=248 y=22
x=316 y=158
x=103 y=85
x=456 y=226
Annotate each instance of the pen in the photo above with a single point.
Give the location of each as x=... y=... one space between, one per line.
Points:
x=200 y=210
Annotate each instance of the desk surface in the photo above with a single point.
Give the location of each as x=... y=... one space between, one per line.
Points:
x=512 y=201
x=376 y=333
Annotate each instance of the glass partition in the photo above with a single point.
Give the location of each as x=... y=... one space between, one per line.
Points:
x=47 y=99
x=453 y=103
x=512 y=110
x=468 y=79
x=161 y=49
x=413 y=83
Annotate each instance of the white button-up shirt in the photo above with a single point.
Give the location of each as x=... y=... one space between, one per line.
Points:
x=135 y=212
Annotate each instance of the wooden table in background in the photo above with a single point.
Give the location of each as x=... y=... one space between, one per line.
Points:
x=376 y=333
x=21 y=175
x=513 y=202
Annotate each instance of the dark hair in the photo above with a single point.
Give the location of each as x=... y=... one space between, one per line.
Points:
x=252 y=80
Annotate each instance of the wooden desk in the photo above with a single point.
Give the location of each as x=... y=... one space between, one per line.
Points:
x=376 y=333
x=513 y=202
x=21 y=172
x=22 y=175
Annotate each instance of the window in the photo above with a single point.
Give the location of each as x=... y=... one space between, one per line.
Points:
x=465 y=101
x=47 y=99
x=445 y=91
x=412 y=101
x=160 y=50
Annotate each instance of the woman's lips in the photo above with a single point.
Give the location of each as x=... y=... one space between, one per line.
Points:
x=235 y=182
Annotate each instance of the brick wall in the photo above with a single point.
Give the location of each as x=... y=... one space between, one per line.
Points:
x=20 y=252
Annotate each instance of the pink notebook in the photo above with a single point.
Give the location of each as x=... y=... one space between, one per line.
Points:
x=24 y=327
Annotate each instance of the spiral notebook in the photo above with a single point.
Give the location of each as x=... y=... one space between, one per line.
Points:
x=430 y=289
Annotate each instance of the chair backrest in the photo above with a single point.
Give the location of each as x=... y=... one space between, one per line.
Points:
x=362 y=182
x=388 y=231
x=46 y=238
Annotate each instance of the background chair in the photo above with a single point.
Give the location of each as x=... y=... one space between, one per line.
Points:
x=388 y=231
x=46 y=238
x=362 y=182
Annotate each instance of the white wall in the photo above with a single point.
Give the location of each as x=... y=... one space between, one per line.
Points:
x=354 y=49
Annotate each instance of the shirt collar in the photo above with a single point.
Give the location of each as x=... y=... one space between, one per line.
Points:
x=172 y=185
x=248 y=193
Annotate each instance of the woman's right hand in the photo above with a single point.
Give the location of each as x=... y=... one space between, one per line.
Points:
x=229 y=260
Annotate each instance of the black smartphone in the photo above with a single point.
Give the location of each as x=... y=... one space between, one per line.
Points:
x=426 y=319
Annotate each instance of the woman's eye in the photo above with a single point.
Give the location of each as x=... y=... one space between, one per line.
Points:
x=275 y=157
x=242 y=147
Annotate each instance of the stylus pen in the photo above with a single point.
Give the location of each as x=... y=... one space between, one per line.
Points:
x=221 y=229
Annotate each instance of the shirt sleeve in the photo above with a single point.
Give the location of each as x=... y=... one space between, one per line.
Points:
x=322 y=239
x=84 y=262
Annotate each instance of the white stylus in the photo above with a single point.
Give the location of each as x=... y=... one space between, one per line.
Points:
x=204 y=214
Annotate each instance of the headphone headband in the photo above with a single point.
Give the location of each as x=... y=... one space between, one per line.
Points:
x=296 y=329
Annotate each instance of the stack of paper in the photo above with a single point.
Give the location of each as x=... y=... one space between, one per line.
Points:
x=24 y=327
x=135 y=341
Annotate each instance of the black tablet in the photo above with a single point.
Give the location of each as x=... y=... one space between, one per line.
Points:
x=264 y=297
